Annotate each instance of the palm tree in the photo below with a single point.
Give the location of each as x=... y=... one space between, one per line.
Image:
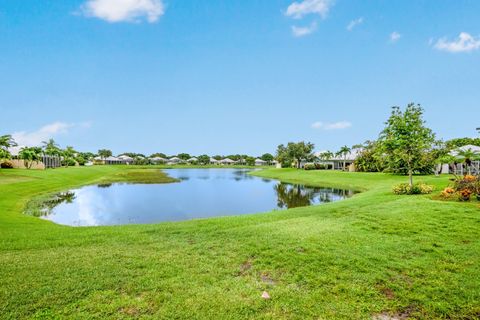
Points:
x=30 y=155
x=104 y=153
x=51 y=148
x=69 y=153
x=467 y=157
x=326 y=156
x=6 y=142
x=343 y=152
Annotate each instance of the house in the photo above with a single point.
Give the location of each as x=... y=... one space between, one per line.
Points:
x=158 y=160
x=108 y=161
x=260 y=162
x=174 y=160
x=192 y=160
x=214 y=161
x=346 y=161
x=227 y=161
x=126 y=159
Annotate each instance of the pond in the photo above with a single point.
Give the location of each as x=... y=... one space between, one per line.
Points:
x=200 y=193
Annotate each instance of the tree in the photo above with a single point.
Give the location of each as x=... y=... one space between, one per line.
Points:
x=6 y=142
x=51 y=148
x=30 y=155
x=460 y=142
x=203 y=159
x=69 y=154
x=184 y=156
x=267 y=157
x=250 y=161
x=343 y=152
x=405 y=139
x=158 y=155
x=467 y=157
x=369 y=159
x=295 y=152
x=104 y=153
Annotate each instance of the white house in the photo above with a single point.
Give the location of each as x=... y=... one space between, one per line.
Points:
x=260 y=162
x=126 y=159
x=227 y=161
x=337 y=162
x=214 y=161
x=192 y=160
x=158 y=160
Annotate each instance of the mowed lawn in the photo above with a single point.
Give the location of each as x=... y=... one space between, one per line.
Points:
x=375 y=254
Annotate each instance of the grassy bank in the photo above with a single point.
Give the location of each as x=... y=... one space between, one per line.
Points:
x=373 y=254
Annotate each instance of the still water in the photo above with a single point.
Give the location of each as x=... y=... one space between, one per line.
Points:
x=201 y=193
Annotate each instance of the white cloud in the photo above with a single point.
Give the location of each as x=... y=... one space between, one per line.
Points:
x=46 y=132
x=303 y=31
x=464 y=43
x=124 y=10
x=354 y=23
x=298 y=10
x=395 y=36
x=331 y=126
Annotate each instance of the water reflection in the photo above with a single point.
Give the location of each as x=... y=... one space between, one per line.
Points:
x=202 y=193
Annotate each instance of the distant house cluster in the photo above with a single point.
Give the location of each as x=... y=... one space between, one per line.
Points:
x=126 y=160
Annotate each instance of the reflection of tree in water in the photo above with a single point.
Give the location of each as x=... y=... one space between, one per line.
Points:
x=61 y=197
x=292 y=196
x=104 y=185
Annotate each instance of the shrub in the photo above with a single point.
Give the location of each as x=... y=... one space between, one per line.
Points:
x=418 y=188
x=6 y=165
x=309 y=166
x=469 y=182
x=464 y=195
x=69 y=162
x=321 y=166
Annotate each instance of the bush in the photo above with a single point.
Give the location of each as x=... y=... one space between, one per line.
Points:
x=418 y=188
x=468 y=182
x=6 y=165
x=321 y=166
x=464 y=195
x=69 y=163
x=309 y=166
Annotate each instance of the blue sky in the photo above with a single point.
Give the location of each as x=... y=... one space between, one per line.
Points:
x=223 y=77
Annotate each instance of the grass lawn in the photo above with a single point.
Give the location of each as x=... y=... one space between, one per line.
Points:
x=374 y=254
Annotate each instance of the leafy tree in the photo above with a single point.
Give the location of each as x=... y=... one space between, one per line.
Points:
x=369 y=159
x=217 y=157
x=86 y=156
x=69 y=154
x=460 y=142
x=267 y=157
x=405 y=139
x=203 y=159
x=343 y=152
x=250 y=161
x=295 y=152
x=158 y=155
x=30 y=155
x=104 y=153
x=184 y=156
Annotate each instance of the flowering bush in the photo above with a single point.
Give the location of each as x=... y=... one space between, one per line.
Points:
x=418 y=188
x=465 y=195
x=468 y=182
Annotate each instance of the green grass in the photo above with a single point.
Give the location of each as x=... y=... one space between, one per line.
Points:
x=373 y=254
